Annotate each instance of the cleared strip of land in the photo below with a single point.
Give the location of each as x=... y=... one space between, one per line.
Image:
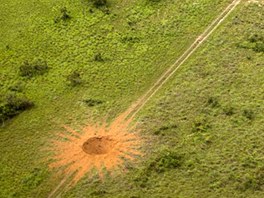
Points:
x=182 y=59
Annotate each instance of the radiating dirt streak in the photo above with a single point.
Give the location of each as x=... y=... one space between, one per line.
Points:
x=121 y=143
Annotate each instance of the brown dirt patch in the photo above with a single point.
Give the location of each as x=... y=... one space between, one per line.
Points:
x=96 y=147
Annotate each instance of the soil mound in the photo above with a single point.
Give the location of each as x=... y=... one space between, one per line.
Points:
x=98 y=145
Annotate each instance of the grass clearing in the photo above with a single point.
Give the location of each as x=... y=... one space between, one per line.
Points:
x=216 y=102
x=118 y=55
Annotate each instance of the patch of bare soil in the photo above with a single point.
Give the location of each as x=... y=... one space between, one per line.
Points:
x=96 y=147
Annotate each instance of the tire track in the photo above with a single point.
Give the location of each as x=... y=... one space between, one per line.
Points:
x=135 y=108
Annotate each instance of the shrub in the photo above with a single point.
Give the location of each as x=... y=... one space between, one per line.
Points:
x=229 y=111
x=255 y=38
x=141 y=179
x=12 y=106
x=74 y=78
x=153 y=1
x=254 y=181
x=131 y=39
x=249 y=114
x=34 y=178
x=257 y=42
x=166 y=160
x=254 y=42
x=213 y=102
x=64 y=15
x=106 y=10
x=162 y=130
x=98 y=192
x=92 y=102
x=99 y=3
x=18 y=87
x=201 y=125
x=259 y=47
x=33 y=69
x=98 y=57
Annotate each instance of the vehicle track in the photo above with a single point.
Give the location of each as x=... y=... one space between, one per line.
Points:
x=136 y=107
x=178 y=63
x=62 y=182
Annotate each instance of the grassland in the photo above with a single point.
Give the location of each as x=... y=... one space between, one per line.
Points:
x=205 y=127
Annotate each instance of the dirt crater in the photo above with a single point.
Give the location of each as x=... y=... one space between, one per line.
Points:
x=98 y=145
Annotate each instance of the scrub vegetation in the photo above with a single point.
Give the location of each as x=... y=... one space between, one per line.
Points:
x=68 y=62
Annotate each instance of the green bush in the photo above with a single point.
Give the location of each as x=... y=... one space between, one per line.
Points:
x=213 y=102
x=33 y=178
x=12 y=106
x=254 y=42
x=98 y=57
x=99 y=3
x=254 y=181
x=153 y=1
x=64 y=15
x=92 y=102
x=255 y=38
x=249 y=114
x=33 y=69
x=74 y=79
x=130 y=39
x=98 y=192
x=229 y=111
x=18 y=87
x=141 y=176
x=201 y=125
x=166 y=160
x=259 y=47
x=164 y=129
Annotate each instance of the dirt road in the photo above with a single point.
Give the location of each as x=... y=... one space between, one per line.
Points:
x=135 y=108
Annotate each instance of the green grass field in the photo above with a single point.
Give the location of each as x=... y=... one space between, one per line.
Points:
x=204 y=128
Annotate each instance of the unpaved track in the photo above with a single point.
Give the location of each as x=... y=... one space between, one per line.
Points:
x=59 y=186
x=135 y=108
x=182 y=59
